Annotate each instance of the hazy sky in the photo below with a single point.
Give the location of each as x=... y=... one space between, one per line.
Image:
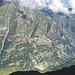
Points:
x=63 y=1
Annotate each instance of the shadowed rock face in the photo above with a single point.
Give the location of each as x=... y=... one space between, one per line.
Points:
x=69 y=9
x=35 y=41
x=1 y=2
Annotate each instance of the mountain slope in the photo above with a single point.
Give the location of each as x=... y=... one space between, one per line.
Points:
x=33 y=41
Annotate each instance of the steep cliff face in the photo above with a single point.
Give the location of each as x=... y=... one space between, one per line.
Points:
x=31 y=40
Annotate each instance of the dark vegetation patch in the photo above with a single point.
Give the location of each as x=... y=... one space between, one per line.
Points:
x=64 y=71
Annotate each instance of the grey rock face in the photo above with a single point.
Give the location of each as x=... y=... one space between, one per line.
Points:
x=34 y=41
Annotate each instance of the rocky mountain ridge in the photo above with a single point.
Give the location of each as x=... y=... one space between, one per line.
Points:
x=31 y=40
